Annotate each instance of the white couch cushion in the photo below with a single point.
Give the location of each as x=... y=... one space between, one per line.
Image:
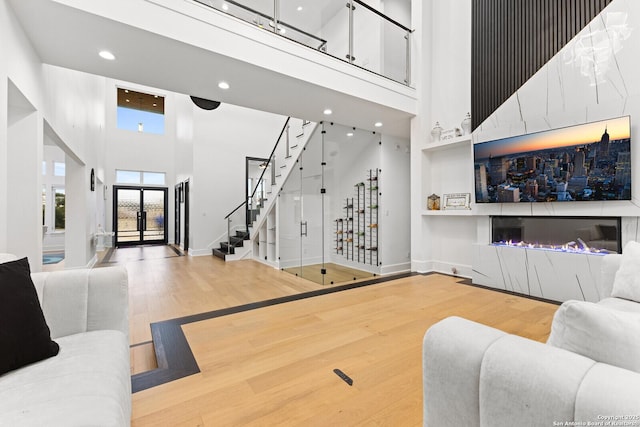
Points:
x=598 y=332
x=620 y=304
x=88 y=383
x=627 y=281
x=4 y=257
x=527 y=383
x=609 y=391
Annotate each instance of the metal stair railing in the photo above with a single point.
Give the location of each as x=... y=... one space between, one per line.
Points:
x=271 y=166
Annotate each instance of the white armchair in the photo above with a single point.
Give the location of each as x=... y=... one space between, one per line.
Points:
x=474 y=375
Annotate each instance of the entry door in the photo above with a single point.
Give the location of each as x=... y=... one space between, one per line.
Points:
x=140 y=215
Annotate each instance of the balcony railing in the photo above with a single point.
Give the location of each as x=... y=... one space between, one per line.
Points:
x=349 y=30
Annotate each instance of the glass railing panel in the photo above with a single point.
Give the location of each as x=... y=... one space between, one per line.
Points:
x=358 y=35
x=367 y=37
x=259 y=13
x=301 y=22
x=395 y=48
x=331 y=24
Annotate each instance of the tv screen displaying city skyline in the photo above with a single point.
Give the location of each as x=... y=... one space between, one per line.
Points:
x=587 y=162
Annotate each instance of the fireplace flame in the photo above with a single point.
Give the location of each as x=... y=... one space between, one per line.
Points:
x=578 y=246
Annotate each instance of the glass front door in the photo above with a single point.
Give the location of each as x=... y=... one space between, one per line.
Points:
x=140 y=215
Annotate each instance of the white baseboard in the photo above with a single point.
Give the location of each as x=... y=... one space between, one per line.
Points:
x=200 y=252
x=435 y=266
x=395 y=268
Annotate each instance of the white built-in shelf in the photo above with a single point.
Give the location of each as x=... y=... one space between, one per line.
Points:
x=447 y=143
x=449 y=212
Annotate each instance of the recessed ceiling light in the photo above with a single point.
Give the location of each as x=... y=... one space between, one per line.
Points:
x=126 y=91
x=105 y=54
x=349 y=133
x=327 y=112
x=126 y=100
x=378 y=124
x=225 y=6
x=155 y=96
x=223 y=85
x=299 y=8
x=155 y=105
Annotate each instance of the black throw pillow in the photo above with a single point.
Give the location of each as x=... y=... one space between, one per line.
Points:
x=24 y=335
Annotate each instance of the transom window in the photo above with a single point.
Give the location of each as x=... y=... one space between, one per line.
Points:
x=140 y=177
x=140 y=112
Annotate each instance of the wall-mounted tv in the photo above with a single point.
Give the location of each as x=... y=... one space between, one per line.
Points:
x=591 y=161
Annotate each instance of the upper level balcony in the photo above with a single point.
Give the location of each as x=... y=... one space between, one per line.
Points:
x=350 y=30
x=347 y=59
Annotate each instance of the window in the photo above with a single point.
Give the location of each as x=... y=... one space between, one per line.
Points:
x=140 y=112
x=127 y=177
x=140 y=177
x=153 y=178
x=59 y=208
x=58 y=169
x=44 y=167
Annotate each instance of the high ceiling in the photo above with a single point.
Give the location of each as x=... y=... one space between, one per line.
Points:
x=69 y=37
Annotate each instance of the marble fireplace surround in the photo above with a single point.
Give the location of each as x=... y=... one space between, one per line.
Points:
x=548 y=274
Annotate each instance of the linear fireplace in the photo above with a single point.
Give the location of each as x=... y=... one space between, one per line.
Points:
x=552 y=257
x=568 y=234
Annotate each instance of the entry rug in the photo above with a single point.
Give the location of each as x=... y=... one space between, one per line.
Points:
x=52 y=258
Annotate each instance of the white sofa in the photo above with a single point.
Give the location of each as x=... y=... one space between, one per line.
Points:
x=474 y=375
x=89 y=382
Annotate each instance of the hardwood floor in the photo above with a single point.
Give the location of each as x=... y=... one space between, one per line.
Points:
x=274 y=365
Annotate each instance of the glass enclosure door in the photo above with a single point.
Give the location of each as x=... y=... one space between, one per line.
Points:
x=312 y=258
x=301 y=216
x=140 y=215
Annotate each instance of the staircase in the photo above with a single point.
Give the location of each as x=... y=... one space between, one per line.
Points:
x=234 y=244
x=295 y=134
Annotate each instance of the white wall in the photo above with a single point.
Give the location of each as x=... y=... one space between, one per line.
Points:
x=61 y=102
x=140 y=151
x=557 y=95
x=395 y=214
x=442 y=43
x=222 y=139
x=20 y=86
x=24 y=206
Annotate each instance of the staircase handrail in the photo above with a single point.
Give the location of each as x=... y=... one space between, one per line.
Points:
x=383 y=16
x=234 y=211
x=284 y=128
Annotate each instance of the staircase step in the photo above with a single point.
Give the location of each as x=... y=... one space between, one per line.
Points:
x=236 y=241
x=226 y=248
x=218 y=253
x=243 y=234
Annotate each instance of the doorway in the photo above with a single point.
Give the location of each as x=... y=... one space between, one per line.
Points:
x=181 y=205
x=140 y=215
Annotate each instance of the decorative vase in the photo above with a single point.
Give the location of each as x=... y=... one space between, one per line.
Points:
x=466 y=124
x=436 y=132
x=433 y=202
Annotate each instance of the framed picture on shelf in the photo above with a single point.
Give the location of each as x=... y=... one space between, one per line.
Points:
x=456 y=201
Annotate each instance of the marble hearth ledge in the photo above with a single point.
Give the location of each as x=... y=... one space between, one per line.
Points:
x=548 y=274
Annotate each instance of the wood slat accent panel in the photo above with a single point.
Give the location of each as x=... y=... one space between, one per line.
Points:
x=512 y=39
